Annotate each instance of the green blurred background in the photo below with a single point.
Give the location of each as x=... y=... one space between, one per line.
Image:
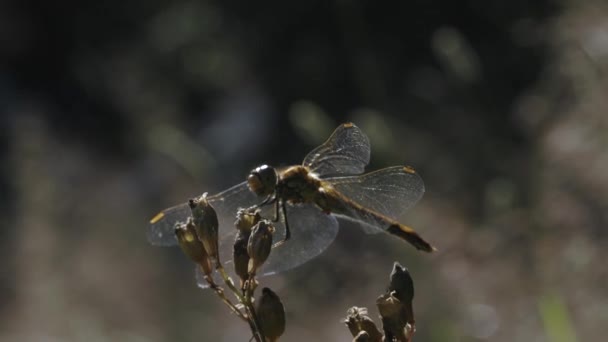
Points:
x=111 y=111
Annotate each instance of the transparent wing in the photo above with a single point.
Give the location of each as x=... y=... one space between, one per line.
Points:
x=312 y=231
x=389 y=192
x=225 y=203
x=160 y=232
x=346 y=152
x=228 y=202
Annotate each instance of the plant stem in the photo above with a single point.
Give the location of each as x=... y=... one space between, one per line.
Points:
x=245 y=299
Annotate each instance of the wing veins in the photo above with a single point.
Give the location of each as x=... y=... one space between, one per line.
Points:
x=345 y=152
x=390 y=191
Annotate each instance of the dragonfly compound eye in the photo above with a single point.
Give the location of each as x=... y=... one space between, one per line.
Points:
x=262 y=180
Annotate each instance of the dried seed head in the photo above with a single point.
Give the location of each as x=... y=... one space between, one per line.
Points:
x=357 y=321
x=191 y=246
x=356 y=312
x=352 y=319
x=393 y=318
x=206 y=224
x=246 y=219
x=362 y=336
x=402 y=284
x=368 y=325
x=271 y=314
x=240 y=256
x=410 y=330
x=259 y=245
x=389 y=306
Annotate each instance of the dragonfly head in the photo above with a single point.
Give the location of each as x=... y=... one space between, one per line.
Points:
x=262 y=180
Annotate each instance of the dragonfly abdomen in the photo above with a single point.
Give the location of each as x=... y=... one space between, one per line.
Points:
x=408 y=234
x=334 y=201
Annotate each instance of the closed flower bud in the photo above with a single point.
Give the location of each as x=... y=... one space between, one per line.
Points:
x=402 y=284
x=259 y=245
x=206 y=224
x=271 y=314
x=191 y=246
x=357 y=321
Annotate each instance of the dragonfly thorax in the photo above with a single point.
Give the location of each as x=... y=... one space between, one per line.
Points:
x=297 y=184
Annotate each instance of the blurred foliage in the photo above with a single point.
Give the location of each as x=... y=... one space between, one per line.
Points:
x=114 y=110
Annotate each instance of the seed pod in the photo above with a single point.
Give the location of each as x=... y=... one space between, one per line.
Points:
x=240 y=256
x=352 y=319
x=402 y=284
x=245 y=220
x=362 y=336
x=357 y=321
x=393 y=320
x=389 y=306
x=259 y=245
x=271 y=314
x=206 y=224
x=410 y=330
x=191 y=246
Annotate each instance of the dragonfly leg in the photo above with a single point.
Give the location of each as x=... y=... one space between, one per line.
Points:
x=287 y=231
x=284 y=213
x=276 y=217
x=270 y=199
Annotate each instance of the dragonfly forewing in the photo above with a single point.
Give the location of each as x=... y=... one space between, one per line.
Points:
x=346 y=152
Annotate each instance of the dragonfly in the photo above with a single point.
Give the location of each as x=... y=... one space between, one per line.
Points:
x=307 y=199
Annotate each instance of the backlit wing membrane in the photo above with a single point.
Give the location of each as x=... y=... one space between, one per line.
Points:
x=346 y=152
x=390 y=192
x=225 y=203
x=228 y=202
x=312 y=232
x=160 y=232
